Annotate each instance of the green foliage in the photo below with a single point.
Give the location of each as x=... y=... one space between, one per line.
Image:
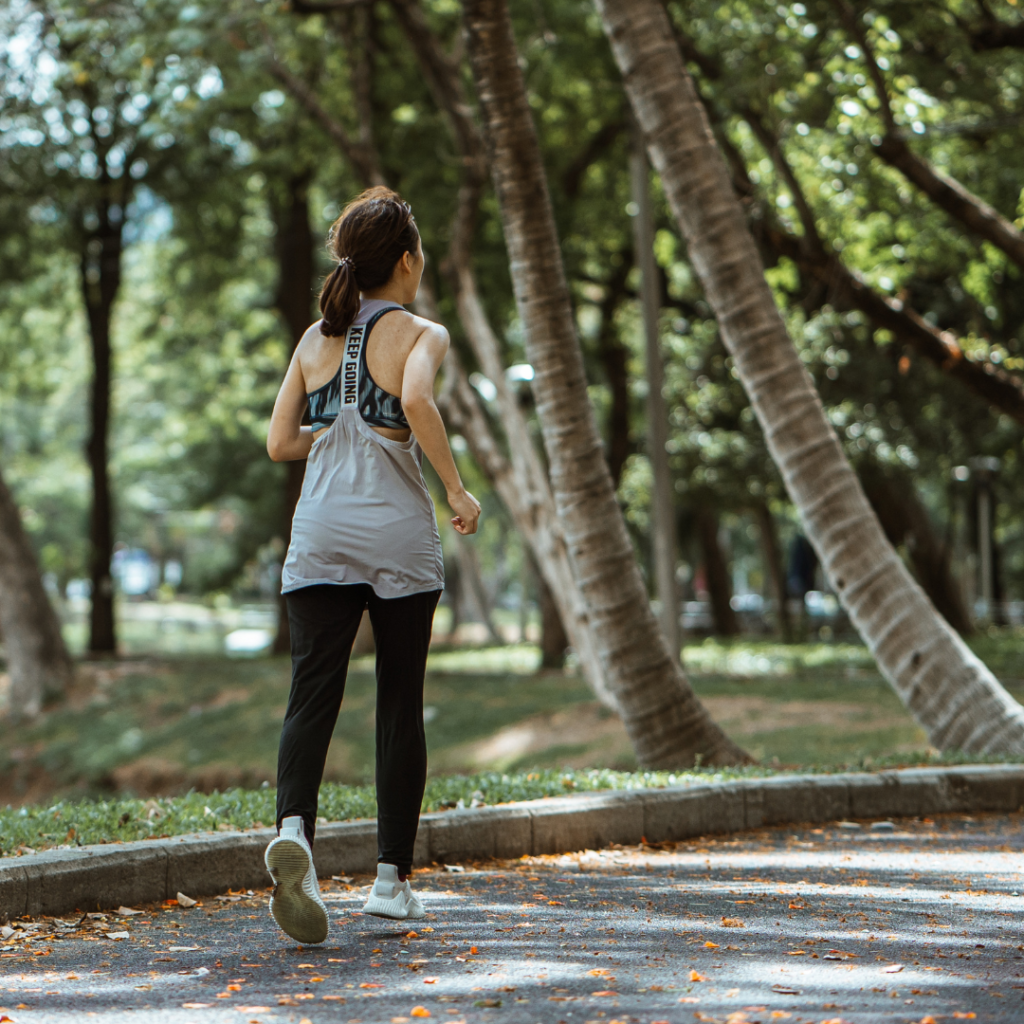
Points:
x=203 y=142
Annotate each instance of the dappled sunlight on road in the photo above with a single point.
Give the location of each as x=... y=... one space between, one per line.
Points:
x=838 y=923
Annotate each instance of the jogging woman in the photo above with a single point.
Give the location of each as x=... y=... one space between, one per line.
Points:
x=364 y=536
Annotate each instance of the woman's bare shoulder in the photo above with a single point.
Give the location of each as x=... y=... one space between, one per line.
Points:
x=412 y=326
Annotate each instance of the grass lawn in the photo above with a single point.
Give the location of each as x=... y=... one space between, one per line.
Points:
x=163 y=725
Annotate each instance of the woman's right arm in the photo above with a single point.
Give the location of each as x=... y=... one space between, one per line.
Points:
x=287 y=439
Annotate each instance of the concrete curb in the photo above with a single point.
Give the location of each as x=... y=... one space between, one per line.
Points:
x=61 y=881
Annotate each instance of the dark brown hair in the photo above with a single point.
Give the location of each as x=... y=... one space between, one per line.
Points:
x=367 y=240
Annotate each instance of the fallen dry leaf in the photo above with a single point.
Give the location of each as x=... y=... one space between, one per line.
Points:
x=419 y=1011
x=371 y=984
x=604 y=993
x=711 y=945
x=732 y=922
x=961 y=1015
x=696 y=976
x=196 y=1006
x=126 y=912
x=185 y=901
x=892 y=969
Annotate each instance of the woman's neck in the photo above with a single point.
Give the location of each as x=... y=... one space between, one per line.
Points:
x=389 y=293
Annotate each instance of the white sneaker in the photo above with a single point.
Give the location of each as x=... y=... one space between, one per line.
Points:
x=296 y=903
x=391 y=898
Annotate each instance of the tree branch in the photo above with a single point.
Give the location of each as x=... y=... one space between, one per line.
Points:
x=362 y=157
x=856 y=29
x=845 y=289
x=974 y=213
x=946 y=192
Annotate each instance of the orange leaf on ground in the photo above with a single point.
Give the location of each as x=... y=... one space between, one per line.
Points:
x=732 y=922
x=371 y=984
x=419 y=1011
x=604 y=992
x=961 y=1015
x=696 y=976
x=473 y=950
x=711 y=945
x=688 y=999
x=928 y=1020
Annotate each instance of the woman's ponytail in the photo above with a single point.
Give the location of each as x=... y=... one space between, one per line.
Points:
x=339 y=300
x=367 y=240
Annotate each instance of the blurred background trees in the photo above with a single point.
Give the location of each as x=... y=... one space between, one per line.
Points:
x=162 y=176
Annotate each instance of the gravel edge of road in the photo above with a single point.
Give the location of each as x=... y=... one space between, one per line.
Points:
x=99 y=877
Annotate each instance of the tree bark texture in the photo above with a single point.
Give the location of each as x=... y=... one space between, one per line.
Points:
x=100 y=269
x=950 y=692
x=37 y=660
x=293 y=246
x=666 y=722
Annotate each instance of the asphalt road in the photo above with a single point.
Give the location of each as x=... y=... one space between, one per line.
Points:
x=917 y=923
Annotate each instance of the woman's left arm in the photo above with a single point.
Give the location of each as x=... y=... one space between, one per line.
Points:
x=287 y=439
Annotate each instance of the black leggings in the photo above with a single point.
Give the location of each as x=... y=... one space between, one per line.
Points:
x=323 y=622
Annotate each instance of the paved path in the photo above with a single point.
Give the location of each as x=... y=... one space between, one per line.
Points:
x=858 y=925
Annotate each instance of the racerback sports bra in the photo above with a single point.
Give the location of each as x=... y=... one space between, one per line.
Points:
x=377 y=407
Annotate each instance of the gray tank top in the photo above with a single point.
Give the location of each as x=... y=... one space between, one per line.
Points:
x=365 y=514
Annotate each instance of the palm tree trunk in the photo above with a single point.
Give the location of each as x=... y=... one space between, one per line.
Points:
x=37 y=660
x=666 y=723
x=950 y=692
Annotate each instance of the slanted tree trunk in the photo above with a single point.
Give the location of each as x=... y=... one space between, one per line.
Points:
x=100 y=268
x=950 y=692
x=37 y=660
x=293 y=247
x=666 y=723
x=716 y=570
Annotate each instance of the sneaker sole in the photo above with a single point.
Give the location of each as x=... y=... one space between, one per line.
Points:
x=297 y=914
x=376 y=907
